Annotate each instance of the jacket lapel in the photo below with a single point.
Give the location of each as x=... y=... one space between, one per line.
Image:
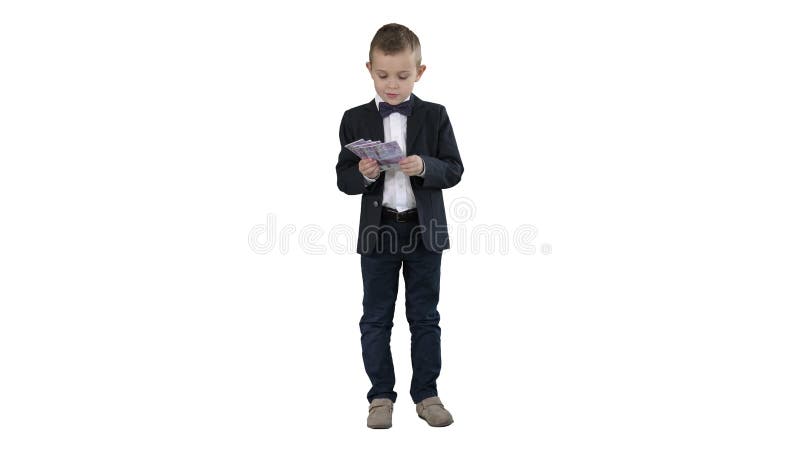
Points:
x=374 y=122
x=414 y=124
x=375 y=128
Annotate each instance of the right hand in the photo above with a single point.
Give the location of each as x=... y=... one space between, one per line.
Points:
x=369 y=168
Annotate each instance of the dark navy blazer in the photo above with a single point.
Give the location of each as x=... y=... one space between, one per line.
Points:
x=429 y=135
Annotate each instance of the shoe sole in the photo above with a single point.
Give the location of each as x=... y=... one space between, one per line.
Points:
x=437 y=426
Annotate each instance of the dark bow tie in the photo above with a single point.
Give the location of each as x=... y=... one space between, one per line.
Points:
x=403 y=108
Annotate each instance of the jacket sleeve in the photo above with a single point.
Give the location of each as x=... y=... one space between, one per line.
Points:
x=348 y=177
x=443 y=170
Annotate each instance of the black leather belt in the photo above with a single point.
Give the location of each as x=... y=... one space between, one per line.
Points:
x=408 y=215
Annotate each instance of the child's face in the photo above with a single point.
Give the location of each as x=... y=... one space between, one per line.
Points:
x=394 y=74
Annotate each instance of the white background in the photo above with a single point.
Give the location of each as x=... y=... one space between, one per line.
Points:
x=652 y=145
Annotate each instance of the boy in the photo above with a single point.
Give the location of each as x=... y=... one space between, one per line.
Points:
x=402 y=220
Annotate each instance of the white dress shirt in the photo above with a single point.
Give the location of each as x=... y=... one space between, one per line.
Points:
x=397 y=191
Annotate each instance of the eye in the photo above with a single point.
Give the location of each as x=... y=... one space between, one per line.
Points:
x=403 y=78
x=379 y=76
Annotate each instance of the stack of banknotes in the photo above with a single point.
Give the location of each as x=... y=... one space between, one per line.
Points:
x=387 y=154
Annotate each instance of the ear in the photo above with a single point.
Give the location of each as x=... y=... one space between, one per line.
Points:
x=420 y=71
x=369 y=66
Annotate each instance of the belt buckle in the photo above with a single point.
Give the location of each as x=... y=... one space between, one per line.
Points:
x=401 y=218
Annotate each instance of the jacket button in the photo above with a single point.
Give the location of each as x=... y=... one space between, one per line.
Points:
x=375 y=204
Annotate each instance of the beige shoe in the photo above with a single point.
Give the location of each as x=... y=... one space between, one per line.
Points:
x=432 y=410
x=380 y=413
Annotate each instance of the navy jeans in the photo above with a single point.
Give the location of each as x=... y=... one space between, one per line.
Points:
x=400 y=246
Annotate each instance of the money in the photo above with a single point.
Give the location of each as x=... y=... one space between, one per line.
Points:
x=387 y=154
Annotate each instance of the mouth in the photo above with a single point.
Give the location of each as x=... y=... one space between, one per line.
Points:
x=392 y=95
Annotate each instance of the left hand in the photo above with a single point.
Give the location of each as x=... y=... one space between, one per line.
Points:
x=411 y=165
